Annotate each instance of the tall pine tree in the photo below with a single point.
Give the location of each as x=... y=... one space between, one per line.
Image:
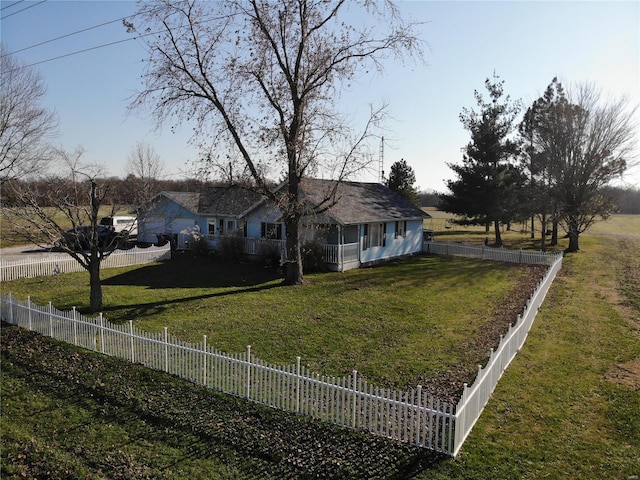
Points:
x=490 y=188
x=401 y=180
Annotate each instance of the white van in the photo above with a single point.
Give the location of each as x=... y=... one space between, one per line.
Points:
x=121 y=224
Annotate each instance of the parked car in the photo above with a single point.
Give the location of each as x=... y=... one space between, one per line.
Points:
x=121 y=224
x=428 y=235
x=79 y=238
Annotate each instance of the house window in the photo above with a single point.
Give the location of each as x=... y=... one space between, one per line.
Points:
x=374 y=235
x=212 y=227
x=271 y=230
x=365 y=237
x=221 y=226
x=401 y=229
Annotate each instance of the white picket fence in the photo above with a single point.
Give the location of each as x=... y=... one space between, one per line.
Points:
x=491 y=253
x=410 y=416
x=31 y=267
x=475 y=397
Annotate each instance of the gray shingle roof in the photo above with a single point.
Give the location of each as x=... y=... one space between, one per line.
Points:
x=357 y=202
x=223 y=201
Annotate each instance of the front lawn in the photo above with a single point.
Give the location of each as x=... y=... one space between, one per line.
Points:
x=426 y=320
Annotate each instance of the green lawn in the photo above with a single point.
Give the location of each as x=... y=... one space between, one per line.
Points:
x=399 y=324
x=567 y=407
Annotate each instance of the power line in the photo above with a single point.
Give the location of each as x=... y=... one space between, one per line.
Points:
x=9 y=6
x=85 y=50
x=68 y=35
x=22 y=10
x=77 y=52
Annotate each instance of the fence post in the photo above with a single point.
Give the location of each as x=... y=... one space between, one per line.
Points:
x=101 y=333
x=166 y=350
x=204 y=360
x=248 y=370
x=133 y=357
x=28 y=310
x=355 y=399
x=297 y=384
x=419 y=423
x=75 y=326
x=50 y=320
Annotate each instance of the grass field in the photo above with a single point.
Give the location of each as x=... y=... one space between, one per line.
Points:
x=9 y=238
x=568 y=407
x=399 y=324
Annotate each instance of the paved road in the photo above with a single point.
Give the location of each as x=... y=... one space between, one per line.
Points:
x=16 y=253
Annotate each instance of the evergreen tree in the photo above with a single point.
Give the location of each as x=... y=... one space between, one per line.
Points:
x=401 y=180
x=490 y=188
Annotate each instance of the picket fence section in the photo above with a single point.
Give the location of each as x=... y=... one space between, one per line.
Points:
x=411 y=416
x=475 y=397
x=31 y=267
x=491 y=253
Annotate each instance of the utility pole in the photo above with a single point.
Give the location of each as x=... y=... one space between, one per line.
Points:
x=381 y=161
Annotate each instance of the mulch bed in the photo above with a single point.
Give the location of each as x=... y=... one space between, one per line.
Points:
x=449 y=384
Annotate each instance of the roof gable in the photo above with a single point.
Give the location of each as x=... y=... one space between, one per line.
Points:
x=228 y=201
x=187 y=200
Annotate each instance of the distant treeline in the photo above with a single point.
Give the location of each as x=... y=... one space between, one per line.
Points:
x=120 y=192
x=627 y=199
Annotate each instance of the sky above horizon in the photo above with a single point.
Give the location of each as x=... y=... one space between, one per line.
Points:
x=526 y=43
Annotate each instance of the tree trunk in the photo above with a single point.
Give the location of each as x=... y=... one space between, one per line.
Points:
x=533 y=226
x=573 y=237
x=543 y=247
x=95 y=285
x=496 y=225
x=293 y=264
x=573 y=242
x=554 y=234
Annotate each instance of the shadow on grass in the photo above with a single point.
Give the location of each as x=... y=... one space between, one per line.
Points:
x=141 y=309
x=185 y=270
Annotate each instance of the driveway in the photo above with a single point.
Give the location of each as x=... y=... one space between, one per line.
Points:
x=11 y=254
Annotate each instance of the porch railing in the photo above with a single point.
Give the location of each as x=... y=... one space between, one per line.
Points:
x=333 y=254
x=339 y=254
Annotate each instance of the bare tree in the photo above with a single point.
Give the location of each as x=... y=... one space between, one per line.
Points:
x=261 y=80
x=584 y=143
x=144 y=169
x=63 y=210
x=25 y=126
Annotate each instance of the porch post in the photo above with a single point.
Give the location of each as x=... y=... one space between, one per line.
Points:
x=341 y=247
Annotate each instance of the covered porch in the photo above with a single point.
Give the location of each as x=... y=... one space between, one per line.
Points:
x=338 y=257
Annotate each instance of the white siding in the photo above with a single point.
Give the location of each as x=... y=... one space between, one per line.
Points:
x=394 y=247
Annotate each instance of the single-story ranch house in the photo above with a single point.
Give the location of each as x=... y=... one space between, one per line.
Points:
x=366 y=223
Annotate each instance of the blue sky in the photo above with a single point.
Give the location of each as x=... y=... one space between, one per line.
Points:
x=525 y=43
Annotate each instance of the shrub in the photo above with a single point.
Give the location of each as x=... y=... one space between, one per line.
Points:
x=231 y=249
x=269 y=255
x=198 y=243
x=313 y=257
